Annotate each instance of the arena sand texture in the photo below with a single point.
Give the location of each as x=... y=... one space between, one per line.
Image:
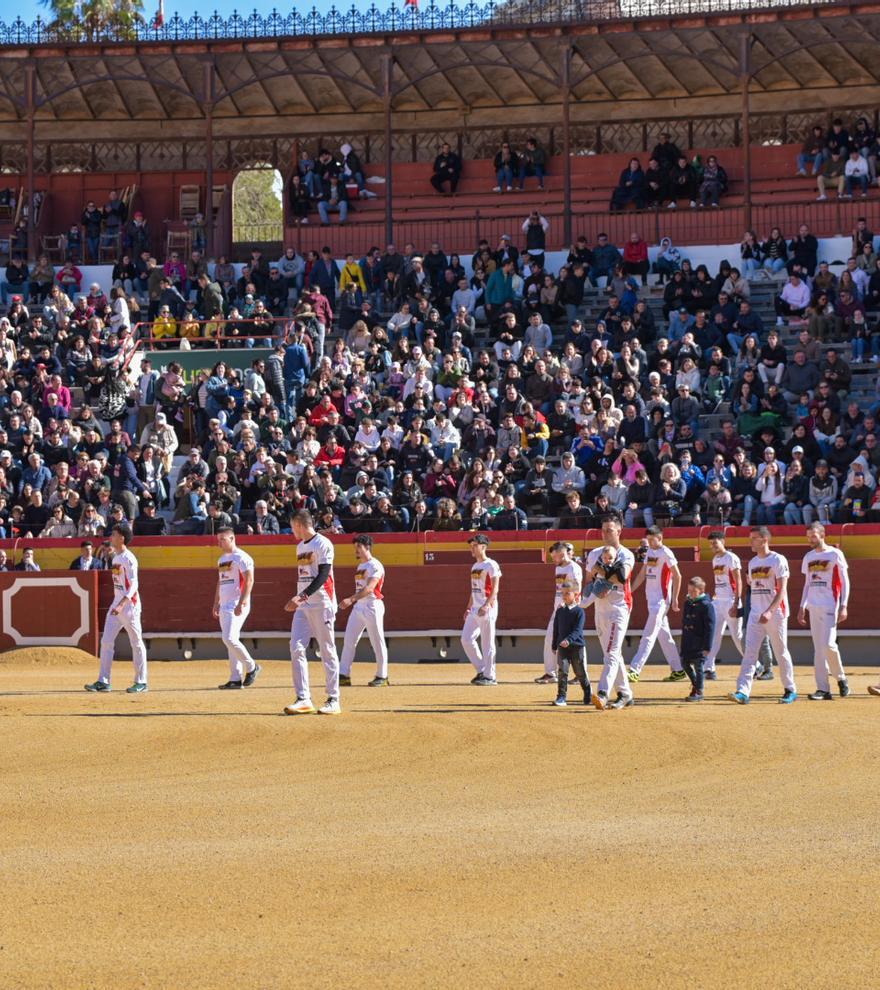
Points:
x=435 y=835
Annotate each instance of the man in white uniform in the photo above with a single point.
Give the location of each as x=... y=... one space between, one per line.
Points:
x=825 y=597
x=568 y=573
x=367 y=613
x=727 y=600
x=613 y=607
x=124 y=613
x=662 y=580
x=481 y=614
x=768 y=579
x=314 y=608
x=232 y=605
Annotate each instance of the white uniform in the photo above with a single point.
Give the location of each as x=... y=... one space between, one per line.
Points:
x=826 y=590
x=316 y=618
x=724 y=566
x=765 y=575
x=659 y=565
x=124 y=569
x=367 y=614
x=480 y=629
x=232 y=571
x=612 y=622
x=566 y=574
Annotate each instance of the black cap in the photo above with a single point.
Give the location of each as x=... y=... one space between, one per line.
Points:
x=480 y=538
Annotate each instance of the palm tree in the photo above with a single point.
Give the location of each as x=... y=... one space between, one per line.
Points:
x=92 y=20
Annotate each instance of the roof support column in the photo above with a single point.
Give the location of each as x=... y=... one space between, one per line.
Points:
x=208 y=90
x=745 y=134
x=30 y=80
x=566 y=144
x=387 y=70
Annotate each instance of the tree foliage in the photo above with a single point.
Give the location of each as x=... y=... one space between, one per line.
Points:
x=92 y=20
x=257 y=213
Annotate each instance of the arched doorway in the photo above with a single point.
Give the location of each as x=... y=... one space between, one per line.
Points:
x=257 y=212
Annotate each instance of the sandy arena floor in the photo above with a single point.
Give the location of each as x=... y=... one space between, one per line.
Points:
x=436 y=835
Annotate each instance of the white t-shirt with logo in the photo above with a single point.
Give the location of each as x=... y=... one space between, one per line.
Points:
x=124 y=570
x=826 y=579
x=659 y=565
x=310 y=554
x=620 y=596
x=724 y=566
x=765 y=576
x=233 y=569
x=366 y=571
x=567 y=574
x=482 y=575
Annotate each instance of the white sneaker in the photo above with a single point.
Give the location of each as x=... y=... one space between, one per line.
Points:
x=671 y=206
x=821 y=199
x=369 y=194
x=302 y=706
x=800 y=171
x=693 y=203
x=304 y=221
x=780 y=322
x=330 y=707
x=496 y=188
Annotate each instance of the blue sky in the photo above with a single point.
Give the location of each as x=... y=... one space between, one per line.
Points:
x=29 y=9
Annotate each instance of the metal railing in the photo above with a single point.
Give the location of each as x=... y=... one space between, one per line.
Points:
x=396 y=19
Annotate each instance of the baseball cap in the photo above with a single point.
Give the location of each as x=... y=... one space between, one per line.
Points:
x=480 y=538
x=797 y=450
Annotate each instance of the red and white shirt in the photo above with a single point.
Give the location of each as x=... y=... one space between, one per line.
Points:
x=124 y=570
x=482 y=576
x=765 y=576
x=233 y=569
x=724 y=568
x=310 y=554
x=366 y=571
x=620 y=596
x=567 y=574
x=659 y=565
x=826 y=579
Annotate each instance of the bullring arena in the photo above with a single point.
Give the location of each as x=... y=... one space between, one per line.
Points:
x=438 y=833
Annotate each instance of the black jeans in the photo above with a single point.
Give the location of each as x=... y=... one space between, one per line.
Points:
x=693 y=667
x=574 y=656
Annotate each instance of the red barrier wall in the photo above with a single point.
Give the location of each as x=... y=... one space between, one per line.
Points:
x=49 y=608
x=419 y=598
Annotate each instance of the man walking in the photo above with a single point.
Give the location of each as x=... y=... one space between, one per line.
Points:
x=481 y=614
x=232 y=605
x=768 y=580
x=825 y=597
x=662 y=579
x=726 y=602
x=367 y=613
x=314 y=608
x=124 y=613
x=568 y=573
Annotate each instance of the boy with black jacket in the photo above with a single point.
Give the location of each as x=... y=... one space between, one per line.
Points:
x=568 y=642
x=697 y=630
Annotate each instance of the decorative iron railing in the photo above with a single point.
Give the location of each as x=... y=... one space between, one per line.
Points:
x=429 y=16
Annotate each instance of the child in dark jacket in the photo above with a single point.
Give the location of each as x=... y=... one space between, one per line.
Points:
x=568 y=642
x=697 y=630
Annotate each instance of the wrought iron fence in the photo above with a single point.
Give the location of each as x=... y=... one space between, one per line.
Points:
x=394 y=20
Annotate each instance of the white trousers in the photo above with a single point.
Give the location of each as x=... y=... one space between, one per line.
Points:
x=129 y=619
x=369 y=616
x=549 y=652
x=611 y=626
x=314 y=622
x=240 y=661
x=776 y=630
x=657 y=631
x=826 y=654
x=723 y=621
x=480 y=630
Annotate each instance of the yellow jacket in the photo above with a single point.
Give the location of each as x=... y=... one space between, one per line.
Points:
x=352 y=273
x=164 y=326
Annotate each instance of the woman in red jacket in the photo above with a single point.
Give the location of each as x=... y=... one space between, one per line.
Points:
x=635 y=257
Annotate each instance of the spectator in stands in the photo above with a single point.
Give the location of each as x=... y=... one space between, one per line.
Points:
x=655 y=184
x=635 y=257
x=506 y=165
x=831 y=173
x=447 y=169
x=856 y=174
x=334 y=199
x=27 y=562
x=837 y=139
x=713 y=182
x=812 y=151
x=682 y=183
x=532 y=161
x=630 y=187
x=113 y=216
x=606 y=257
x=793 y=300
x=535 y=227
x=352 y=169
